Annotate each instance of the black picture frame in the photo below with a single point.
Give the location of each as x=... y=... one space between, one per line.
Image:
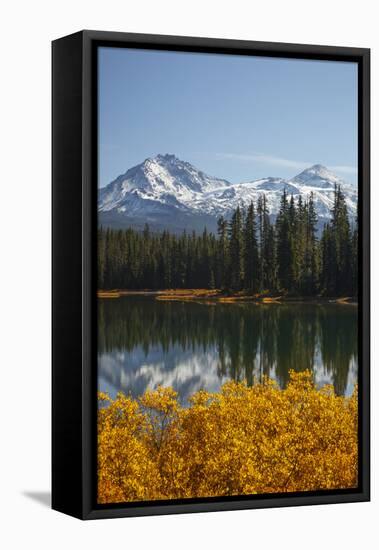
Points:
x=74 y=202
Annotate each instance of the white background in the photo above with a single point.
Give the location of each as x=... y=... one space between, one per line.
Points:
x=26 y=31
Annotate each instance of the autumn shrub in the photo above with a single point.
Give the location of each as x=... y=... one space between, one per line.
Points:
x=243 y=440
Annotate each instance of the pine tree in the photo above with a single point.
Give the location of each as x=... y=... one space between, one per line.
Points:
x=341 y=228
x=355 y=258
x=327 y=276
x=101 y=252
x=268 y=250
x=251 y=256
x=300 y=243
x=260 y=215
x=236 y=250
x=340 y=276
x=311 y=261
x=284 y=245
x=270 y=258
x=222 y=253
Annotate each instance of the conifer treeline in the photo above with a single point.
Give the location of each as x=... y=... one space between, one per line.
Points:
x=249 y=253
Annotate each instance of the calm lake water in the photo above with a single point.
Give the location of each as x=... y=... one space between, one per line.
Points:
x=190 y=346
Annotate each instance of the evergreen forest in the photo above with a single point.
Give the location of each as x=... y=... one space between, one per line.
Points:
x=249 y=253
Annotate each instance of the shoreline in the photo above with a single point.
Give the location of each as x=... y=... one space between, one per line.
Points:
x=206 y=295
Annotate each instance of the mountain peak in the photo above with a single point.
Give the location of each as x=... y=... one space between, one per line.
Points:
x=163 y=179
x=167 y=157
x=318 y=167
x=317 y=170
x=317 y=175
x=166 y=191
x=320 y=170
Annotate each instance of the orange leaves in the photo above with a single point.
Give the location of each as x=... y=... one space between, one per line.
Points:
x=243 y=440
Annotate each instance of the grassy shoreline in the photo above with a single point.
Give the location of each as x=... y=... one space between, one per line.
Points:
x=196 y=294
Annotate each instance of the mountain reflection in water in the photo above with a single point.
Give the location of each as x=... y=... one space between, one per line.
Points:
x=143 y=342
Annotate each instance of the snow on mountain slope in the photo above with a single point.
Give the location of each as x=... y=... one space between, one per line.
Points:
x=225 y=199
x=164 y=188
x=164 y=178
x=321 y=182
x=317 y=176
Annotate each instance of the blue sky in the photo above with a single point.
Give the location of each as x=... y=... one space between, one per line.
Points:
x=236 y=117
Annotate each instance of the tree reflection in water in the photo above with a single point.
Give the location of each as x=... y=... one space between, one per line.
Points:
x=143 y=342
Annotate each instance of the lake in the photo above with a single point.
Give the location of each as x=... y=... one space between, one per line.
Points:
x=143 y=342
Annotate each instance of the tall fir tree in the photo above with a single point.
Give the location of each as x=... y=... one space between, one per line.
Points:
x=222 y=263
x=355 y=258
x=284 y=245
x=311 y=253
x=236 y=250
x=251 y=255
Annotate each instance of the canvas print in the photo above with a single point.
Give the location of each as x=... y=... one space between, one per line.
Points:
x=227 y=293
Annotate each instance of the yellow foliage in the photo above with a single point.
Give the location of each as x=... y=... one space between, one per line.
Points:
x=243 y=440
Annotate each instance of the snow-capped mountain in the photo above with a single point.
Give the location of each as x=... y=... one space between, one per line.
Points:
x=169 y=193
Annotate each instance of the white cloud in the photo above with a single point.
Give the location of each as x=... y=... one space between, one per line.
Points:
x=266 y=159
x=345 y=169
x=279 y=161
